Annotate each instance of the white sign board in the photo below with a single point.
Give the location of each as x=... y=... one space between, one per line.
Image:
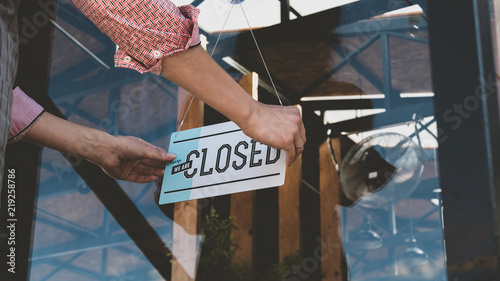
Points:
x=216 y=160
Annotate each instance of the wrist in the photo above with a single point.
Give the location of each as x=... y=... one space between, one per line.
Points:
x=246 y=113
x=96 y=146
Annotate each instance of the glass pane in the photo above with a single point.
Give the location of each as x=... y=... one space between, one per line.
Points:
x=363 y=202
x=391 y=223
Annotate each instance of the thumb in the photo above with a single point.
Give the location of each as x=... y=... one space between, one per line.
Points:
x=152 y=152
x=156 y=153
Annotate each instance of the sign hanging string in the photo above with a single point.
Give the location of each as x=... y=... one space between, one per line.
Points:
x=261 y=56
x=212 y=53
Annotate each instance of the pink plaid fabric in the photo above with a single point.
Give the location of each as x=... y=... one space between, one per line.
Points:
x=25 y=113
x=144 y=30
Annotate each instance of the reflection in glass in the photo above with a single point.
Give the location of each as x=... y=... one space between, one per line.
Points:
x=366 y=238
x=405 y=251
x=413 y=255
x=409 y=227
x=381 y=169
x=390 y=172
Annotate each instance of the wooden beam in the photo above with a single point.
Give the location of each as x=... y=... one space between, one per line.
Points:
x=243 y=209
x=329 y=185
x=289 y=212
x=243 y=204
x=187 y=217
x=250 y=83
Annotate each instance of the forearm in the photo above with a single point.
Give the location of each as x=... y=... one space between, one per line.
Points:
x=61 y=135
x=198 y=73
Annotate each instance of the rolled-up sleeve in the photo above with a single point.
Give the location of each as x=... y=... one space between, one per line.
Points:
x=144 y=30
x=25 y=113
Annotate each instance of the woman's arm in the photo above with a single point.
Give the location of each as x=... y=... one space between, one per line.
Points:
x=122 y=157
x=277 y=126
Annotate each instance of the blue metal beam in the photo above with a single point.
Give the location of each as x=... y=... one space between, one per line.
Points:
x=91 y=85
x=163 y=130
x=361 y=69
x=343 y=104
x=91 y=243
x=70 y=109
x=365 y=9
x=113 y=110
x=72 y=268
x=372 y=27
x=307 y=90
x=386 y=69
x=81 y=46
x=173 y=87
x=82 y=23
x=64 y=224
x=407 y=37
x=73 y=72
x=397 y=115
x=62 y=266
x=104 y=263
x=87 y=116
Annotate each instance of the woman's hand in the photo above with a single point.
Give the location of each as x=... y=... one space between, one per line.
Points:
x=280 y=127
x=133 y=159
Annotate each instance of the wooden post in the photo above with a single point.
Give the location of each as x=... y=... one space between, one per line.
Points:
x=289 y=212
x=243 y=203
x=250 y=83
x=332 y=257
x=187 y=217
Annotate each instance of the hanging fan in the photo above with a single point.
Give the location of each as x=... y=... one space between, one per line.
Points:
x=381 y=169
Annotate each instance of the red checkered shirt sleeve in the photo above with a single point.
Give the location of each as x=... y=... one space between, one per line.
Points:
x=25 y=113
x=144 y=30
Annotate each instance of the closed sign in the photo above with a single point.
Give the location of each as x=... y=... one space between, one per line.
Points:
x=216 y=160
